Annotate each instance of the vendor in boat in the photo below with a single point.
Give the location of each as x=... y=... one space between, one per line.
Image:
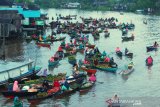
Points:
x=115 y=99
x=73 y=50
x=155 y=44
x=107 y=59
x=51 y=59
x=92 y=78
x=75 y=67
x=126 y=51
x=16 y=87
x=104 y=53
x=40 y=38
x=118 y=49
x=149 y=60
x=81 y=46
x=63 y=43
x=111 y=63
x=130 y=65
x=67 y=46
x=96 y=50
x=17 y=102
x=45 y=85
x=75 y=42
x=65 y=86
x=60 y=49
x=56 y=87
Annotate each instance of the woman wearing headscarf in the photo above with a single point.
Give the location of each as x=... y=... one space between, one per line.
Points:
x=15 y=86
x=92 y=78
x=17 y=102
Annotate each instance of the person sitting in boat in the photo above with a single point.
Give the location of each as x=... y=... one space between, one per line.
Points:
x=107 y=59
x=63 y=43
x=60 y=49
x=81 y=46
x=67 y=46
x=130 y=65
x=51 y=59
x=65 y=86
x=40 y=38
x=126 y=51
x=104 y=53
x=96 y=50
x=74 y=50
x=92 y=78
x=86 y=62
x=45 y=85
x=115 y=99
x=75 y=67
x=132 y=35
x=75 y=42
x=17 y=102
x=16 y=87
x=155 y=44
x=118 y=49
x=149 y=60
x=56 y=83
x=112 y=63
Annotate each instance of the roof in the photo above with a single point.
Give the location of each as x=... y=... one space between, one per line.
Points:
x=25 y=13
x=31 y=13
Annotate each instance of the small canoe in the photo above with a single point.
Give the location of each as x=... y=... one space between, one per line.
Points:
x=119 y=53
x=90 y=71
x=108 y=69
x=86 y=86
x=126 y=38
x=106 y=34
x=151 y=48
x=41 y=96
x=90 y=46
x=12 y=94
x=53 y=64
x=128 y=71
x=41 y=44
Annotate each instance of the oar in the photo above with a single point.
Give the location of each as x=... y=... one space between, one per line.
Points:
x=99 y=82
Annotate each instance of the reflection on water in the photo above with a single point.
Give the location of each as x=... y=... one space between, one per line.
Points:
x=142 y=82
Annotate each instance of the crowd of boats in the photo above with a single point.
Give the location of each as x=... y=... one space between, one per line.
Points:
x=45 y=85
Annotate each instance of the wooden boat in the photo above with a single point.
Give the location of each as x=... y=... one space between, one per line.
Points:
x=85 y=31
x=106 y=67
x=44 y=44
x=119 y=54
x=90 y=71
x=58 y=39
x=129 y=55
x=128 y=71
x=20 y=71
x=90 y=46
x=151 y=48
x=126 y=38
x=106 y=34
x=53 y=64
x=86 y=86
x=12 y=94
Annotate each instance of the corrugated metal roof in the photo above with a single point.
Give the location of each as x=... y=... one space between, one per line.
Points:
x=25 y=13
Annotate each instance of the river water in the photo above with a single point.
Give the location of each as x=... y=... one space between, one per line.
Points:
x=141 y=87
